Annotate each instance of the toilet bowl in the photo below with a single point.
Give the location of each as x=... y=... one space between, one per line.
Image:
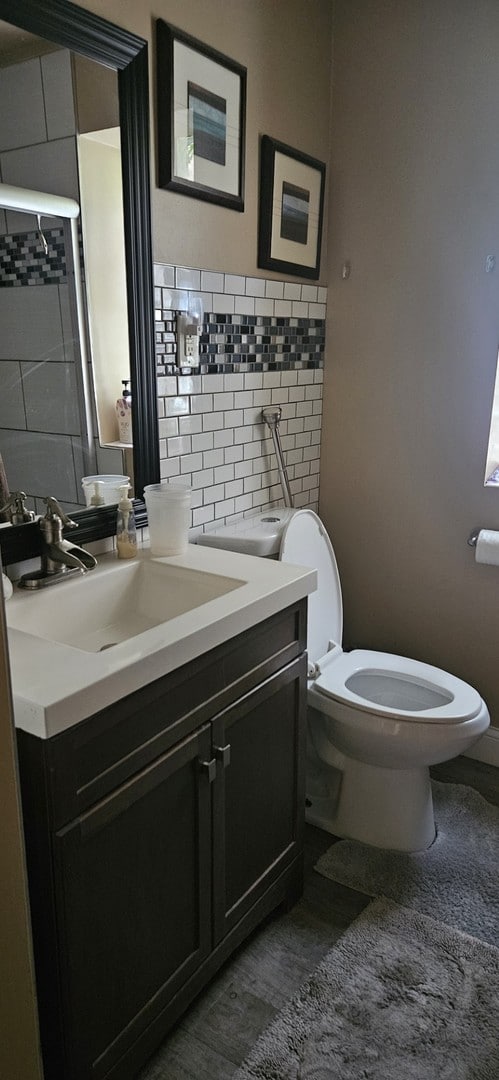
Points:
x=376 y=721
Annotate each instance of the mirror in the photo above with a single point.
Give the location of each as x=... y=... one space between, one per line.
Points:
x=74 y=28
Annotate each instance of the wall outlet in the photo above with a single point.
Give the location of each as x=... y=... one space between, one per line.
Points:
x=187 y=342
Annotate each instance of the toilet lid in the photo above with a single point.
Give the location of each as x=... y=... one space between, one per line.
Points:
x=305 y=542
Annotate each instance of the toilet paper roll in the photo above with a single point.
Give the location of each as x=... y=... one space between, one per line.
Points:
x=487 y=547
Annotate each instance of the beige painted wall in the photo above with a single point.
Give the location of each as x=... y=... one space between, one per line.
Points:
x=413 y=333
x=286 y=47
x=19 y=1049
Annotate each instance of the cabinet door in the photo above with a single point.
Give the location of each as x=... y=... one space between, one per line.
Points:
x=258 y=795
x=134 y=887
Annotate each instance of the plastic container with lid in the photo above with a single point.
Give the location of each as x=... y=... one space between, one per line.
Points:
x=168 y=515
x=108 y=489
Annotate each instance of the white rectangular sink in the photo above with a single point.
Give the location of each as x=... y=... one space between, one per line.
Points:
x=81 y=645
x=94 y=613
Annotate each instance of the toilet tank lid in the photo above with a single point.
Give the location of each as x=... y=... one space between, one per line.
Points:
x=305 y=542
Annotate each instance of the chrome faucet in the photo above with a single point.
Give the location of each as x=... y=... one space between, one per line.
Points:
x=60 y=557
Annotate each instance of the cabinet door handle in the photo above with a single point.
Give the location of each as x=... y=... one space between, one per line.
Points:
x=209 y=767
x=223 y=754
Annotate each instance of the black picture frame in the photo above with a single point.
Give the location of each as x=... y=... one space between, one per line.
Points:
x=201 y=105
x=291 y=210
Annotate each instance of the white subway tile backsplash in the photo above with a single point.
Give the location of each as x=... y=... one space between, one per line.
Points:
x=202 y=479
x=189 y=384
x=234 y=283
x=234 y=382
x=180 y=445
x=211 y=421
x=226 y=507
x=224 y=437
x=243 y=468
x=169 y=467
x=244 y=305
x=203 y=515
x=213 y=457
x=202 y=403
x=164 y=275
x=219 y=441
x=255 y=286
x=185 y=278
x=274 y=289
x=223 y=303
x=190 y=425
x=233 y=418
x=224 y=474
x=212 y=384
x=212 y=281
x=223 y=401
x=243 y=399
x=243 y=502
x=235 y=487
x=253 y=380
x=264 y=307
x=191 y=462
x=168 y=427
x=167 y=385
x=202 y=442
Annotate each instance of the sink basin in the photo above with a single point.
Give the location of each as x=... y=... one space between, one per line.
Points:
x=96 y=611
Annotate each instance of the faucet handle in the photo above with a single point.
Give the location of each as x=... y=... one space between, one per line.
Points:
x=53 y=508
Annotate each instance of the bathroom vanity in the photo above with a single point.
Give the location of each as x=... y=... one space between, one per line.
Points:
x=164 y=825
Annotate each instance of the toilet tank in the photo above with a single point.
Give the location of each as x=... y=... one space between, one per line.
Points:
x=259 y=534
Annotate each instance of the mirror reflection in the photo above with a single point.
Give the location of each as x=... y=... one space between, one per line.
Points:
x=59 y=133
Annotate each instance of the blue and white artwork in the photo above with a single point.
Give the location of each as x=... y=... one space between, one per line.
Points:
x=207 y=123
x=295 y=205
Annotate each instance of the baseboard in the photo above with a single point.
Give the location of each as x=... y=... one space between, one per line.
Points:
x=487 y=748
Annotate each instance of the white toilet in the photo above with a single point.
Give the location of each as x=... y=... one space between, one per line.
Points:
x=376 y=721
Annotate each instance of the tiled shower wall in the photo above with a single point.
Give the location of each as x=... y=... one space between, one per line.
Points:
x=262 y=343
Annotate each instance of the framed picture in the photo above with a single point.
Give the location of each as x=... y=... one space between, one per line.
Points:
x=201 y=111
x=291 y=210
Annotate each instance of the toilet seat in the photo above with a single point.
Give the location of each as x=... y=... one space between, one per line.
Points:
x=419 y=692
x=381 y=684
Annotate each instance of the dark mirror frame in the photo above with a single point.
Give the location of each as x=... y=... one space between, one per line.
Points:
x=75 y=28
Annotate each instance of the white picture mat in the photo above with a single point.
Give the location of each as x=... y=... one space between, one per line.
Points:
x=289 y=170
x=191 y=66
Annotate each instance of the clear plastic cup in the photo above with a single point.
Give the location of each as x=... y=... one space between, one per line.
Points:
x=168 y=516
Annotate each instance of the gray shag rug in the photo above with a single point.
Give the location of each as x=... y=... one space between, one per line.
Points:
x=455 y=880
x=400 y=997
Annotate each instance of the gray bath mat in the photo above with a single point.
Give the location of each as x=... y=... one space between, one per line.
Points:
x=456 y=880
x=400 y=997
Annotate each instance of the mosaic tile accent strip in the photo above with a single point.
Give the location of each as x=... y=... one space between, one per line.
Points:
x=24 y=262
x=250 y=324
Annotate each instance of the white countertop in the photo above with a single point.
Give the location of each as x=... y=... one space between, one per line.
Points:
x=55 y=686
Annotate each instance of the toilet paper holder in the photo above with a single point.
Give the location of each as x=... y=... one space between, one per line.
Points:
x=473 y=537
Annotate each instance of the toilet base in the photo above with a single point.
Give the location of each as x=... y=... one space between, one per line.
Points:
x=387 y=808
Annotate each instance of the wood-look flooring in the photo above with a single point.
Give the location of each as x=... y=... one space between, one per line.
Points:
x=220 y=1028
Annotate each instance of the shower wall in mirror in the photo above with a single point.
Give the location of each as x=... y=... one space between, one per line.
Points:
x=43 y=441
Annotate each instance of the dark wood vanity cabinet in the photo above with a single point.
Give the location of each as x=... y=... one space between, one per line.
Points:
x=159 y=833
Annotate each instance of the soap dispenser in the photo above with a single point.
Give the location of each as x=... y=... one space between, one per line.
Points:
x=124 y=413
x=126 y=532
